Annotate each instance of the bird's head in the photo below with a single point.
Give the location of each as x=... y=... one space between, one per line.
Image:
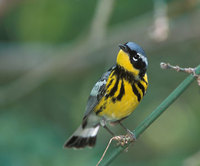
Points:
x=132 y=58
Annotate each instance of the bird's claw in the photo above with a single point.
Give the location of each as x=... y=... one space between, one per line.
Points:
x=131 y=135
x=125 y=139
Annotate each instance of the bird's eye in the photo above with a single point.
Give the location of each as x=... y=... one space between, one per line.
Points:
x=136 y=57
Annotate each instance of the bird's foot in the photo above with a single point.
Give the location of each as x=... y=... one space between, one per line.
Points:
x=131 y=135
x=125 y=139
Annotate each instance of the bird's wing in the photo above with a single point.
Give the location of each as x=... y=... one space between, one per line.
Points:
x=98 y=91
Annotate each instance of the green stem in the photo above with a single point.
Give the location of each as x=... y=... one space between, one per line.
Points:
x=152 y=117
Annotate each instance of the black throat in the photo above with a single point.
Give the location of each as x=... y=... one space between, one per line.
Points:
x=124 y=74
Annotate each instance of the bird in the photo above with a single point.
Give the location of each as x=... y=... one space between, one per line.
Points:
x=114 y=97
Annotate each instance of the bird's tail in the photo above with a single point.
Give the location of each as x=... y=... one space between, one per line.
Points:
x=82 y=137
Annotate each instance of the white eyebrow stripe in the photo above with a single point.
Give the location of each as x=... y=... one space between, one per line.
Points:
x=144 y=59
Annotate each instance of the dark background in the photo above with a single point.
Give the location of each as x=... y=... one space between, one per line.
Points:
x=53 y=52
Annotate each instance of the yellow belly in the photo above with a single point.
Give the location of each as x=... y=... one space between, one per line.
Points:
x=120 y=108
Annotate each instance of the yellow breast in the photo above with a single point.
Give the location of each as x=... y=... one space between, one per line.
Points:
x=121 y=99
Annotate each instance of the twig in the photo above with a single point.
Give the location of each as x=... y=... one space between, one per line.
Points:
x=113 y=138
x=180 y=69
x=153 y=116
x=123 y=140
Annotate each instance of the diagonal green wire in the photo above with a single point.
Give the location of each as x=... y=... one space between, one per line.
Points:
x=110 y=156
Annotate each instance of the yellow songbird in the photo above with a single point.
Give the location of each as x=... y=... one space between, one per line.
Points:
x=115 y=96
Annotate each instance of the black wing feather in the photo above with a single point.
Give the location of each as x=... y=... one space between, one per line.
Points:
x=98 y=91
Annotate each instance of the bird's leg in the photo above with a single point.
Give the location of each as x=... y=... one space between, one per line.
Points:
x=105 y=127
x=103 y=124
x=130 y=134
x=123 y=139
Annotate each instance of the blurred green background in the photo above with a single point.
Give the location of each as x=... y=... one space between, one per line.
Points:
x=52 y=53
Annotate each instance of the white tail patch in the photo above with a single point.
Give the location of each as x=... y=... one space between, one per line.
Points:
x=82 y=137
x=86 y=132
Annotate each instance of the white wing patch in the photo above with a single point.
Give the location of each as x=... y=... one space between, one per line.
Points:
x=96 y=88
x=97 y=92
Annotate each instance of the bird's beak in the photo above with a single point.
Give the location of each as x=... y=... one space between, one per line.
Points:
x=123 y=47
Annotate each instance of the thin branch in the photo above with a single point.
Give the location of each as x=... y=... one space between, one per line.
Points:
x=153 y=116
x=180 y=69
x=113 y=138
x=123 y=140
